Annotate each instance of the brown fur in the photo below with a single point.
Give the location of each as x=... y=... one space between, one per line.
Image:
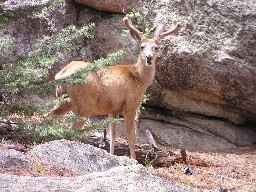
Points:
x=113 y=90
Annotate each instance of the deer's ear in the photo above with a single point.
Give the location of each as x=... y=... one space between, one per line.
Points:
x=159 y=30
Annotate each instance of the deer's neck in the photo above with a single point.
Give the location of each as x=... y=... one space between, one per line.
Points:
x=145 y=72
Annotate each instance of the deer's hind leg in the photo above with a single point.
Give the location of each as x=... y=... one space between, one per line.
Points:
x=61 y=109
x=86 y=113
x=83 y=109
x=113 y=132
x=83 y=99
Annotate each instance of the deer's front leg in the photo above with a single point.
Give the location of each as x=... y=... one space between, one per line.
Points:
x=129 y=120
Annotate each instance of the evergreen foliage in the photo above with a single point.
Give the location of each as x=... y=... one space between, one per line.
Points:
x=27 y=75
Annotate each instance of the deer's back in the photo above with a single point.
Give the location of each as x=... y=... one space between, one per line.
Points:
x=109 y=90
x=71 y=68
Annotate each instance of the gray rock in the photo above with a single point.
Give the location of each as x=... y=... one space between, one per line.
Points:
x=195 y=133
x=78 y=157
x=100 y=171
x=9 y=5
x=107 y=37
x=38 y=28
x=126 y=178
x=10 y=158
x=208 y=68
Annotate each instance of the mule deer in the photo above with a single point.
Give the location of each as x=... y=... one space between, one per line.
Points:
x=115 y=89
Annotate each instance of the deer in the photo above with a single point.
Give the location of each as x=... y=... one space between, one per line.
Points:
x=115 y=89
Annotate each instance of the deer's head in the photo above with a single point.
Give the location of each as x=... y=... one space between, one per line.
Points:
x=149 y=47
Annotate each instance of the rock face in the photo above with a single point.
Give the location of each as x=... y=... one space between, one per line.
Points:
x=99 y=171
x=211 y=69
x=205 y=84
x=194 y=133
x=42 y=27
x=206 y=74
x=106 y=5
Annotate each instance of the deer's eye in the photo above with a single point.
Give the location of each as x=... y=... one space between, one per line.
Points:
x=156 y=48
x=142 y=47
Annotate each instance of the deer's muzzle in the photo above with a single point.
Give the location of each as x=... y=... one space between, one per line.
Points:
x=149 y=59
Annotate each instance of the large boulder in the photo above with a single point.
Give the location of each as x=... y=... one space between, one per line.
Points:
x=127 y=179
x=107 y=37
x=209 y=67
x=98 y=170
x=196 y=133
x=206 y=73
x=30 y=30
x=77 y=157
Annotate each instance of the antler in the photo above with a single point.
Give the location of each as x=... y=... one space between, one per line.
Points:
x=173 y=29
x=134 y=32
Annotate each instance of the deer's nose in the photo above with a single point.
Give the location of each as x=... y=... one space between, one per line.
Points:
x=149 y=59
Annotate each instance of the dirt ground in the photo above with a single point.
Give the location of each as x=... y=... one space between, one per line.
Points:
x=232 y=170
